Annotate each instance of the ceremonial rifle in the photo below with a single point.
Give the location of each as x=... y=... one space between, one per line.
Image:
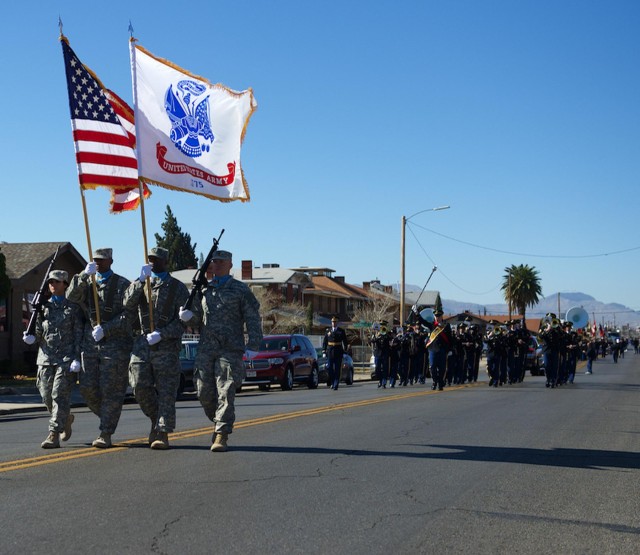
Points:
x=38 y=298
x=200 y=278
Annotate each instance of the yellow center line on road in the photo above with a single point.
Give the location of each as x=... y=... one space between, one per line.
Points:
x=58 y=457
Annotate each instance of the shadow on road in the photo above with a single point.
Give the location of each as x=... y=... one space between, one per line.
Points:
x=561 y=457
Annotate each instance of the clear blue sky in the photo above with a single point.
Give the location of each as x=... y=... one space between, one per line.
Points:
x=523 y=116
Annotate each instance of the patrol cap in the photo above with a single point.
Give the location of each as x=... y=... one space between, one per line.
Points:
x=103 y=253
x=58 y=275
x=221 y=255
x=159 y=252
x=438 y=312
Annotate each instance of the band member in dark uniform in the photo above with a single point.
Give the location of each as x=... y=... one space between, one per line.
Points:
x=469 y=353
x=477 y=338
x=404 y=340
x=417 y=351
x=439 y=344
x=494 y=342
x=551 y=339
x=334 y=344
x=524 y=337
x=573 y=348
x=381 y=352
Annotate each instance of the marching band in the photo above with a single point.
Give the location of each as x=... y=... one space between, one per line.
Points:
x=427 y=347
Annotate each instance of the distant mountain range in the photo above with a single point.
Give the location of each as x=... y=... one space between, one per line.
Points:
x=604 y=313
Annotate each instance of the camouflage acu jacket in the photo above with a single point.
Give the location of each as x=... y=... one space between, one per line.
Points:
x=167 y=297
x=222 y=313
x=59 y=333
x=114 y=319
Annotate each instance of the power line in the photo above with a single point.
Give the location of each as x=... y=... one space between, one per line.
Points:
x=445 y=275
x=612 y=253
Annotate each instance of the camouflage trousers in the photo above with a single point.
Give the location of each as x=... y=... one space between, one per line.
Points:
x=103 y=384
x=217 y=376
x=155 y=386
x=55 y=384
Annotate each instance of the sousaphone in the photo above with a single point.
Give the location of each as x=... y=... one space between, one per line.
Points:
x=578 y=316
x=428 y=315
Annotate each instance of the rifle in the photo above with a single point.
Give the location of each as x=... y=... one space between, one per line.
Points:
x=38 y=298
x=200 y=278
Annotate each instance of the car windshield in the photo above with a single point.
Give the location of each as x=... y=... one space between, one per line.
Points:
x=275 y=344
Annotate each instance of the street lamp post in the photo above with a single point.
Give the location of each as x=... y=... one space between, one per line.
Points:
x=404 y=224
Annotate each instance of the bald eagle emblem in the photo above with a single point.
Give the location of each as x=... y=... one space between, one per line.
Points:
x=188 y=109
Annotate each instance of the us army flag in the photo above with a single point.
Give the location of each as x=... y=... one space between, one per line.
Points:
x=189 y=132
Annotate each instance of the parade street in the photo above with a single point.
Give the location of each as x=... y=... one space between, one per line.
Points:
x=471 y=469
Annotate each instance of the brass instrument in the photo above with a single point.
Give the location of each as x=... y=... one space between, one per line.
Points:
x=434 y=334
x=427 y=315
x=549 y=320
x=578 y=316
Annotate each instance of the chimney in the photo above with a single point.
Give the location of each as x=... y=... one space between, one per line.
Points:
x=366 y=285
x=247 y=270
x=339 y=279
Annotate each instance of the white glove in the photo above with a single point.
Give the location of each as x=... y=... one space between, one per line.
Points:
x=185 y=315
x=145 y=272
x=91 y=269
x=414 y=308
x=28 y=339
x=75 y=366
x=98 y=333
x=153 y=337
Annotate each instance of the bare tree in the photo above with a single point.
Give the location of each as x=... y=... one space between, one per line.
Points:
x=379 y=307
x=279 y=317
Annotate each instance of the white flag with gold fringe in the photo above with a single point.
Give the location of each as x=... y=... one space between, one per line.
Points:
x=189 y=131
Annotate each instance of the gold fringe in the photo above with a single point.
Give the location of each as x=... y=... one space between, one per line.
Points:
x=212 y=197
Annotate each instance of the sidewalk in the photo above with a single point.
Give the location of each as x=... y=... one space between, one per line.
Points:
x=15 y=400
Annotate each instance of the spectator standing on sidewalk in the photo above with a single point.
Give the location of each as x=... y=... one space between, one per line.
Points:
x=59 y=335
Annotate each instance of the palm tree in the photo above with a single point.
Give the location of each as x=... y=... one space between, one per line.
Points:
x=521 y=287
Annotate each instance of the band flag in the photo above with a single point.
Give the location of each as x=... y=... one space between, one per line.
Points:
x=189 y=131
x=103 y=135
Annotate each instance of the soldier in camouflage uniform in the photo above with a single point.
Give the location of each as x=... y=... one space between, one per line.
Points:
x=222 y=310
x=106 y=347
x=59 y=335
x=154 y=370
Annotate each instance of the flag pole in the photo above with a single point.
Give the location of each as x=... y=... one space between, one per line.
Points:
x=93 y=277
x=146 y=251
x=140 y=187
x=84 y=212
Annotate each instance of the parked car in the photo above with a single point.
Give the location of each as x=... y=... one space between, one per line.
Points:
x=188 y=353
x=533 y=360
x=347 y=371
x=282 y=360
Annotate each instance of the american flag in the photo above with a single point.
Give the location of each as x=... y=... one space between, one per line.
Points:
x=103 y=135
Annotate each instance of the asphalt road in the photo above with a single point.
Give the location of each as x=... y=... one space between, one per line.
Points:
x=472 y=469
